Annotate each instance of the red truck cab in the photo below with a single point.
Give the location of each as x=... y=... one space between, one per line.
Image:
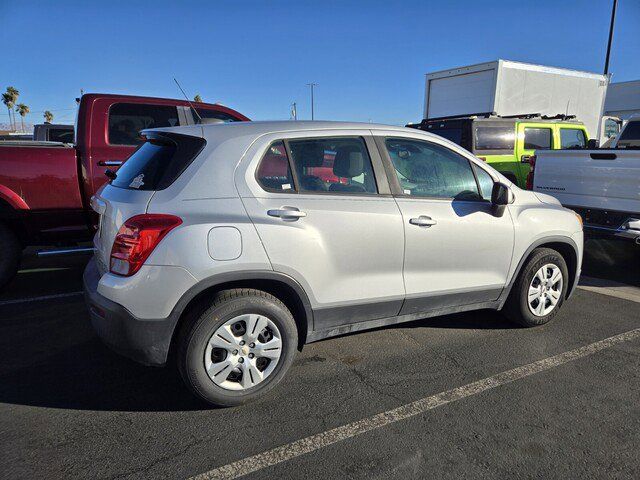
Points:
x=45 y=187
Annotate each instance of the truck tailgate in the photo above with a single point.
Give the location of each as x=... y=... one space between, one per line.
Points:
x=45 y=176
x=600 y=179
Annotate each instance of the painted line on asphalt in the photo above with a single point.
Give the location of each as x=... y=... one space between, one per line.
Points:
x=39 y=299
x=320 y=440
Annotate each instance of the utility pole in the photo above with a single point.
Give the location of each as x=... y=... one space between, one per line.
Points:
x=312 y=85
x=294 y=111
x=613 y=21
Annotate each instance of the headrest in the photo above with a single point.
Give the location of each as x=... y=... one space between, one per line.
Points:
x=349 y=162
x=308 y=154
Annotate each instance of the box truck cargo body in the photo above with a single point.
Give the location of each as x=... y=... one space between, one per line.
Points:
x=506 y=88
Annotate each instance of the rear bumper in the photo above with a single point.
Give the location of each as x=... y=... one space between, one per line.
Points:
x=145 y=341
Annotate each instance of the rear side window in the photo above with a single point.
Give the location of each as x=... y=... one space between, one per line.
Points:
x=453 y=134
x=126 y=120
x=572 y=138
x=158 y=162
x=335 y=165
x=537 y=138
x=206 y=113
x=631 y=131
x=273 y=173
x=495 y=138
x=61 y=135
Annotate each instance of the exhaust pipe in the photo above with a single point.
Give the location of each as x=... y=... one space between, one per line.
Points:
x=65 y=251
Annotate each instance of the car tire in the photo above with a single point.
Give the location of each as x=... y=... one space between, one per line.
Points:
x=11 y=255
x=196 y=355
x=530 y=301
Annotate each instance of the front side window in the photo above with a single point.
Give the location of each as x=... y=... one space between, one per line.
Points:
x=631 y=131
x=430 y=170
x=537 y=138
x=495 y=138
x=572 y=138
x=126 y=120
x=485 y=181
x=273 y=173
x=338 y=165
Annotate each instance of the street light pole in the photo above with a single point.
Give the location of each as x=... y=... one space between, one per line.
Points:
x=613 y=21
x=312 y=106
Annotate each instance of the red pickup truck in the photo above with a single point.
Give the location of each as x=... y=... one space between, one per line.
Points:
x=45 y=187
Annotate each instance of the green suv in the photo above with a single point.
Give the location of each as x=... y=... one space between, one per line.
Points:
x=507 y=143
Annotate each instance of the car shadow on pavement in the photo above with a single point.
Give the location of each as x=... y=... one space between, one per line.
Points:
x=63 y=371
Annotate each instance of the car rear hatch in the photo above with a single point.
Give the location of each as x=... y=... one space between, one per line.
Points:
x=154 y=166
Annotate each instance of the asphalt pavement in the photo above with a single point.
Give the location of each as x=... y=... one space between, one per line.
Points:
x=466 y=395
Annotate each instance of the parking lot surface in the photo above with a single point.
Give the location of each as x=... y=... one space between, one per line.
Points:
x=70 y=408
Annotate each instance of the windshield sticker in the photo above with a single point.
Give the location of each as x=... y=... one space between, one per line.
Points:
x=137 y=182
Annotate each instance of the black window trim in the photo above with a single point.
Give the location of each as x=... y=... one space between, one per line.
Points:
x=396 y=189
x=377 y=167
x=108 y=134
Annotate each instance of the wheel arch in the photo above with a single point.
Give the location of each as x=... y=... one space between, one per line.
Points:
x=565 y=246
x=281 y=286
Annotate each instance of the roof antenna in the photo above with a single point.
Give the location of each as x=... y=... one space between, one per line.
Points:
x=187 y=98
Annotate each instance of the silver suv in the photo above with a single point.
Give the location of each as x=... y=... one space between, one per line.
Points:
x=227 y=247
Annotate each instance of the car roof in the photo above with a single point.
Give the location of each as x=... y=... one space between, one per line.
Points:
x=228 y=130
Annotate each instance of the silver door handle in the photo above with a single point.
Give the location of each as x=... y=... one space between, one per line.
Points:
x=110 y=163
x=423 y=221
x=287 y=213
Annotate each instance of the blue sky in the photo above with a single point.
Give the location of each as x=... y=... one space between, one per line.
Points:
x=369 y=58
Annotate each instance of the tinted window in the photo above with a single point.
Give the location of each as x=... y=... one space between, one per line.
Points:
x=453 y=134
x=126 y=120
x=158 y=162
x=273 y=172
x=206 y=113
x=572 y=138
x=631 y=131
x=339 y=165
x=430 y=170
x=61 y=135
x=537 y=138
x=485 y=181
x=495 y=138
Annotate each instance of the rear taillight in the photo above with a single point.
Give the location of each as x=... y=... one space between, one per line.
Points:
x=137 y=238
x=532 y=168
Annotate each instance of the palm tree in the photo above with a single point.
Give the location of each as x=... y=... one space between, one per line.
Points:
x=48 y=116
x=8 y=101
x=197 y=98
x=22 y=109
x=14 y=94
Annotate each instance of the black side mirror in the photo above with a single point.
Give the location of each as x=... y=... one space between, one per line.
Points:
x=499 y=198
x=110 y=174
x=593 y=143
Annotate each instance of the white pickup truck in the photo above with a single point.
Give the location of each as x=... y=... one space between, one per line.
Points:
x=602 y=185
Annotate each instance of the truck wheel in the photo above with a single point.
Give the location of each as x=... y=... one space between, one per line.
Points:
x=540 y=289
x=239 y=348
x=11 y=255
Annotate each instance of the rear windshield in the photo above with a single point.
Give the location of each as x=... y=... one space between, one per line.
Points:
x=158 y=162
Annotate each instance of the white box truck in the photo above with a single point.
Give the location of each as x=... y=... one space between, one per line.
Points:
x=505 y=88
